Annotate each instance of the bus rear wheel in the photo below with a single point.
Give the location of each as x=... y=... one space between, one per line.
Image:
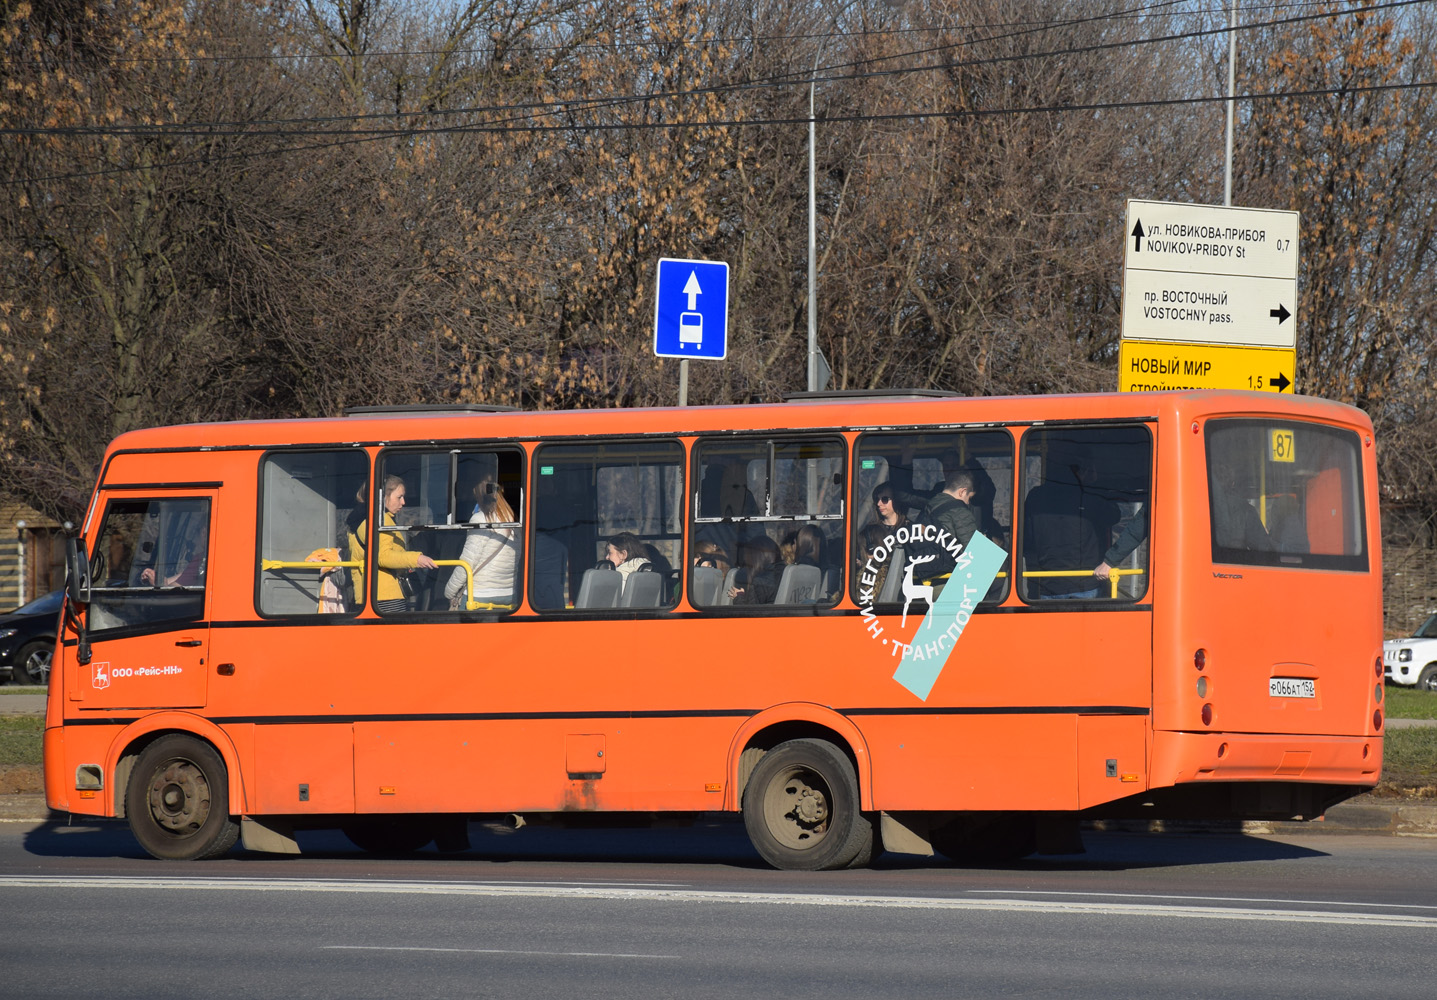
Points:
x=178 y=800
x=801 y=808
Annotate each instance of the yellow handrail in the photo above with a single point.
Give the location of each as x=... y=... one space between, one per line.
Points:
x=470 y=604
x=1113 y=575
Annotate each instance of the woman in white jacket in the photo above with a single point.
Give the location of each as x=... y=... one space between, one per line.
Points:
x=492 y=553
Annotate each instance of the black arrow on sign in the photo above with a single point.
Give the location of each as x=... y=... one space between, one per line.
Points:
x=1138 y=235
x=1280 y=312
x=1281 y=381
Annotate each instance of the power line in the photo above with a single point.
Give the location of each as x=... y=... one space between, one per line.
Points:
x=749 y=123
x=550 y=108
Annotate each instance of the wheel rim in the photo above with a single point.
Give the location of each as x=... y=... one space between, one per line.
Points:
x=796 y=808
x=37 y=666
x=180 y=797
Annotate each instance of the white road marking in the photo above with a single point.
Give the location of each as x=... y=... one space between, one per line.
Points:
x=1204 y=899
x=491 y=951
x=1247 y=910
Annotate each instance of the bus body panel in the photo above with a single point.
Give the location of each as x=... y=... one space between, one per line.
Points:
x=1037 y=708
x=1255 y=623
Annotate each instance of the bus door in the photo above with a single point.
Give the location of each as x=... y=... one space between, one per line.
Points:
x=149 y=637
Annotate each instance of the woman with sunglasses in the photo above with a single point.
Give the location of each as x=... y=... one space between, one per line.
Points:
x=887 y=506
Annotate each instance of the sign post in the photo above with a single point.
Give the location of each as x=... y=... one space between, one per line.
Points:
x=691 y=313
x=1209 y=298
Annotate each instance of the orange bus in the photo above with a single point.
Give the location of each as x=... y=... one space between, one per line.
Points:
x=912 y=622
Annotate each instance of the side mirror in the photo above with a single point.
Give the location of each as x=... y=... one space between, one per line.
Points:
x=77 y=576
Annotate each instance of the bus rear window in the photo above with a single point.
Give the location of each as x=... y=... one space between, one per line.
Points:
x=1285 y=493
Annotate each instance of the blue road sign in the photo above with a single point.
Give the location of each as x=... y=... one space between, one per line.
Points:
x=691 y=309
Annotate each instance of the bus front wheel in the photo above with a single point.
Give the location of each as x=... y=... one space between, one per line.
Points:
x=178 y=800
x=801 y=808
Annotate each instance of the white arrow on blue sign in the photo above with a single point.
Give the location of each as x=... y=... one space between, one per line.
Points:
x=691 y=309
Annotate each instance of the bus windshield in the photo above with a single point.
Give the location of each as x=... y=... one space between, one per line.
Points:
x=1285 y=493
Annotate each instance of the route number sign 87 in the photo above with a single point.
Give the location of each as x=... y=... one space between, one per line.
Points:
x=1280 y=446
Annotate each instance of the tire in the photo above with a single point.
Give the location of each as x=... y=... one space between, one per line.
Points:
x=32 y=663
x=1427 y=680
x=389 y=834
x=801 y=808
x=987 y=838
x=178 y=800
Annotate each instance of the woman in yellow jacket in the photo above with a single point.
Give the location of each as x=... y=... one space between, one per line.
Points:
x=394 y=557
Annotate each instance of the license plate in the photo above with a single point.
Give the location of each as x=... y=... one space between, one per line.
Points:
x=1292 y=687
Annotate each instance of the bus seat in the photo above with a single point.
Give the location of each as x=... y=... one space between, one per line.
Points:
x=730 y=581
x=798 y=584
x=892 y=590
x=830 y=584
x=642 y=590
x=706 y=585
x=599 y=589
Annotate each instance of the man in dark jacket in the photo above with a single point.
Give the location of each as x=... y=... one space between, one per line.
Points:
x=949 y=511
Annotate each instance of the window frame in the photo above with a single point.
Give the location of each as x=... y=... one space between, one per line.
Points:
x=773 y=439
x=1275 y=558
x=1020 y=496
x=859 y=502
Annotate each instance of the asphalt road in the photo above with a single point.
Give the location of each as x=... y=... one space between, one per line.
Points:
x=692 y=913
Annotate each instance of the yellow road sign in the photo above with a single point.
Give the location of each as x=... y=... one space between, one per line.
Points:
x=1149 y=366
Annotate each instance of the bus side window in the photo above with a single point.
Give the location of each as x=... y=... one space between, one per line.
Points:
x=899 y=475
x=1085 y=503
x=311 y=506
x=587 y=496
x=769 y=522
x=150 y=563
x=451 y=532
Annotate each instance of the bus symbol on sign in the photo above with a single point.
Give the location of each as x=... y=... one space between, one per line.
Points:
x=691 y=329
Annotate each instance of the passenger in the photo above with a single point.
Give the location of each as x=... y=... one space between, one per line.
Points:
x=809 y=546
x=949 y=512
x=627 y=552
x=886 y=506
x=492 y=553
x=870 y=540
x=1236 y=525
x=708 y=553
x=189 y=570
x=759 y=572
x=1133 y=535
x=788 y=548
x=724 y=493
x=395 y=560
x=1063 y=521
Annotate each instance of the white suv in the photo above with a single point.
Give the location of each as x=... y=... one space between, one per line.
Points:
x=1413 y=661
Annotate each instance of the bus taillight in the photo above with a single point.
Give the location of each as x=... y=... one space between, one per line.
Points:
x=1207 y=715
x=1200 y=659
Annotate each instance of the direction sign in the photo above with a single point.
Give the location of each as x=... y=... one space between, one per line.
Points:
x=691 y=309
x=1211 y=239
x=1209 y=274
x=1153 y=367
x=1209 y=309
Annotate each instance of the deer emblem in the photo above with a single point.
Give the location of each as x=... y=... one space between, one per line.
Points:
x=911 y=589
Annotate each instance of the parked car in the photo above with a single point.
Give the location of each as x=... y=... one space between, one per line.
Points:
x=27 y=639
x=1413 y=660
